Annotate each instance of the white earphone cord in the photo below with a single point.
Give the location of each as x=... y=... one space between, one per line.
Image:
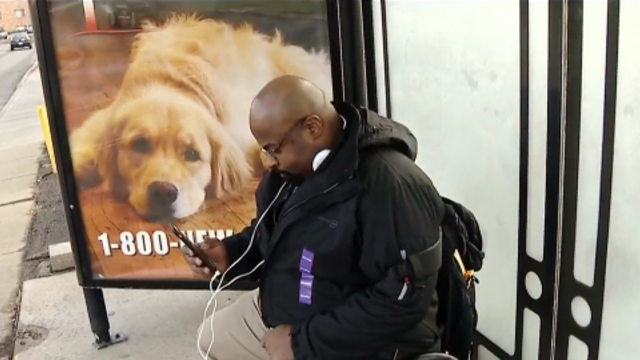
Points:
x=214 y=293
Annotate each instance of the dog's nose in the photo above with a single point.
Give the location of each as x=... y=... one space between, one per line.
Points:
x=162 y=193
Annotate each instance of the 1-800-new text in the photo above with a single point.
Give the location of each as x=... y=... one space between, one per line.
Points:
x=156 y=243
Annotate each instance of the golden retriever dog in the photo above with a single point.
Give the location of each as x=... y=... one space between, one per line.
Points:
x=178 y=129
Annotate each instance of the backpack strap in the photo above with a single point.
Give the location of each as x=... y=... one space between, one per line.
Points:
x=468 y=274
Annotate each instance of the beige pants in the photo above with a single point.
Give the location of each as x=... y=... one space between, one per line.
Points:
x=238 y=331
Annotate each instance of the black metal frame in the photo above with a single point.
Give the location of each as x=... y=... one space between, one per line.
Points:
x=369 y=55
x=569 y=286
x=354 y=72
x=554 y=187
x=47 y=64
x=559 y=285
x=94 y=297
x=547 y=269
x=373 y=102
x=347 y=52
x=347 y=64
x=347 y=61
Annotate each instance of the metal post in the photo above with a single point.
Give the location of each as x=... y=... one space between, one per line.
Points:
x=99 y=320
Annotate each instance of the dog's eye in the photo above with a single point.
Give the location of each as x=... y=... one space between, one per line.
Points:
x=141 y=145
x=191 y=155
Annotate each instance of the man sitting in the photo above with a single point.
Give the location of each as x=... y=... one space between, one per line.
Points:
x=339 y=212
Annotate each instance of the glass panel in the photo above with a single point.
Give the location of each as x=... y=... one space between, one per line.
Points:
x=454 y=80
x=531 y=336
x=621 y=306
x=591 y=131
x=157 y=116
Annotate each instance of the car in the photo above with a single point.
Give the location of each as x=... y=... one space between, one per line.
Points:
x=3 y=33
x=129 y=15
x=122 y=17
x=21 y=40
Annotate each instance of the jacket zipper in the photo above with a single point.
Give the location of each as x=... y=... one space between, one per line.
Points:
x=332 y=223
x=403 y=292
x=405 y=284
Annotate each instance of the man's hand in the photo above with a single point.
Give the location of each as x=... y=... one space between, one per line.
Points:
x=277 y=342
x=216 y=252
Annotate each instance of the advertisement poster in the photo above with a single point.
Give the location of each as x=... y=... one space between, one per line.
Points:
x=156 y=97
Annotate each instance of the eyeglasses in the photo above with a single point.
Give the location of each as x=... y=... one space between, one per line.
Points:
x=274 y=150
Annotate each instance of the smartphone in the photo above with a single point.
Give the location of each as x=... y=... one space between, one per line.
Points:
x=197 y=251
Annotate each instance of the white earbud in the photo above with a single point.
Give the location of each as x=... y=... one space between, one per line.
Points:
x=320 y=158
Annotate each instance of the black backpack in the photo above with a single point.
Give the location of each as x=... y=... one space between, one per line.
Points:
x=462 y=257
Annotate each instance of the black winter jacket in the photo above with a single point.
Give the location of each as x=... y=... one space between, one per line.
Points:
x=333 y=265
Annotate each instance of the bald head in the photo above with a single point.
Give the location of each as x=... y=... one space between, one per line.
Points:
x=292 y=120
x=286 y=100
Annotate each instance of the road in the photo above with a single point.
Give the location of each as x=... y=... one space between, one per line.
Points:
x=13 y=66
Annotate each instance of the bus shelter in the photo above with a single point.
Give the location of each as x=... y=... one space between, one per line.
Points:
x=525 y=111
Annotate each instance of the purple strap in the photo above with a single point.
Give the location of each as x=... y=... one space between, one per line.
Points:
x=306 y=277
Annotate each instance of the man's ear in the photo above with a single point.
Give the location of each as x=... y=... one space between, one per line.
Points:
x=313 y=126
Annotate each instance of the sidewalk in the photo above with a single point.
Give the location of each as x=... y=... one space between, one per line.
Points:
x=161 y=325
x=21 y=143
x=21 y=140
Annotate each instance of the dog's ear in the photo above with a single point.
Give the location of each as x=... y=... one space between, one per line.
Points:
x=86 y=142
x=258 y=160
x=94 y=151
x=107 y=163
x=230 y=168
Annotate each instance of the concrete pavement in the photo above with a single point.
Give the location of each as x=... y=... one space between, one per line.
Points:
x=19 y=117
x=159 y=324
x=21 y=143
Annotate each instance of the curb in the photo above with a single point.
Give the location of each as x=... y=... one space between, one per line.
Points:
x=61 y=257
